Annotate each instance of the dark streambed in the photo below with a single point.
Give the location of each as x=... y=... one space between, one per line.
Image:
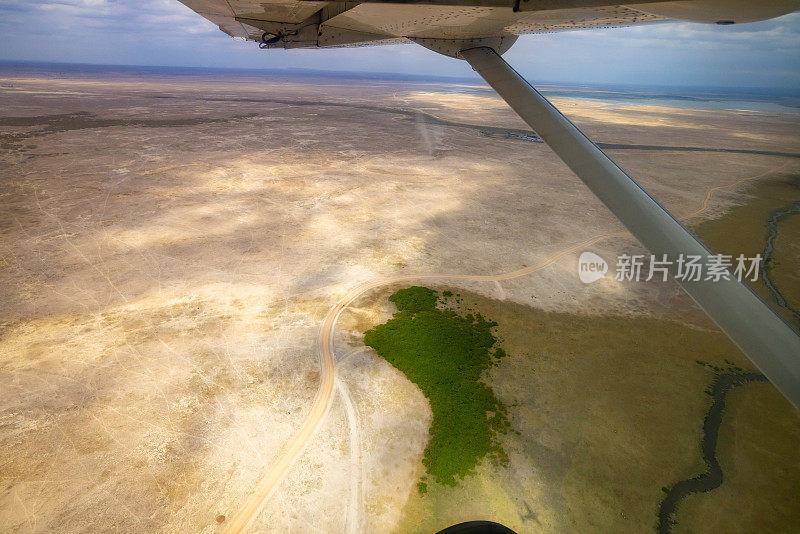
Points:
x=769 y=248
x=712 y=478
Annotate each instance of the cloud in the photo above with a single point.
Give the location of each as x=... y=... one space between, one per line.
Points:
x=672 y=53
x=165 y=32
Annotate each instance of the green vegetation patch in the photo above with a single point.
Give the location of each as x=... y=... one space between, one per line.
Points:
x=445 y=354
x=415 y=299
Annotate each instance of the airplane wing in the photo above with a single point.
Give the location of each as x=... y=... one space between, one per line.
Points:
x=311 y=24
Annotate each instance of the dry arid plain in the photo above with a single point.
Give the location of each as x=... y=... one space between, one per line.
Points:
x=171 y=244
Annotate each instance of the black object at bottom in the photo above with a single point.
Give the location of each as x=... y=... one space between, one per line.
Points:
x=477 y=527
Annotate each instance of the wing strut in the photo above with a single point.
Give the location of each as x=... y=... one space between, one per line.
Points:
x=761 y=334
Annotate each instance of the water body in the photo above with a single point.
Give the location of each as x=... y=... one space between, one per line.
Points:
x=709 y=99
x=712 y=478
x=769 y=248
x=768 y=100
x=709 y=102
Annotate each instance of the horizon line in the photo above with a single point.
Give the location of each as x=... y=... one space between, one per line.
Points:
x=395 y=76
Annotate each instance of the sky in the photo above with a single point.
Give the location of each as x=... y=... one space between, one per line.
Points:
x=165 y=32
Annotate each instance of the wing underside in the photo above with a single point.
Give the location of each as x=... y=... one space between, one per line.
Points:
x=309 y=24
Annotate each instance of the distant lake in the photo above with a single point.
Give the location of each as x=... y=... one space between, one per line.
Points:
x=766 y=100
x=734 y=99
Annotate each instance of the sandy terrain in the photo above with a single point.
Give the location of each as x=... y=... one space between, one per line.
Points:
x=170 y=245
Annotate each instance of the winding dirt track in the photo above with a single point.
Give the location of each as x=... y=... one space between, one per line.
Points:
x=322 y=402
